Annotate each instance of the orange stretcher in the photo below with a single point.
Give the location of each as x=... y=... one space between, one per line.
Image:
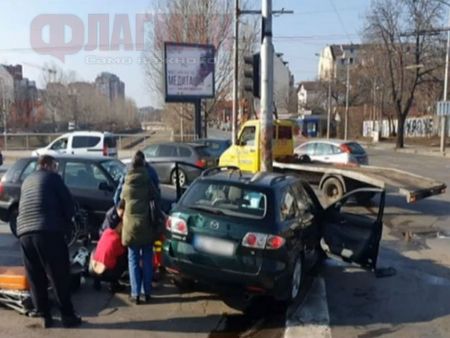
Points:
x=14 y=289
x=13 y=278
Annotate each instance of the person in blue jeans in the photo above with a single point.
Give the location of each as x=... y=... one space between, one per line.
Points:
x=137 y=232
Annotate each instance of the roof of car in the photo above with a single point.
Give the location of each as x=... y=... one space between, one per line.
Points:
x=189 y=144
x=262 y=179
x=89 y=132
x=330 y=141
x=77 y=157
x=212 y=140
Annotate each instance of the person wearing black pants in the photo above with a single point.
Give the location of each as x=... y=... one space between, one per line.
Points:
x=46 y=210
x=46 y=254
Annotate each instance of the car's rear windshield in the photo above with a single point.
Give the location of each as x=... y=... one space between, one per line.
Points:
x=227 y=199
x=356 y=148
x=202 y=151
x=110 y=141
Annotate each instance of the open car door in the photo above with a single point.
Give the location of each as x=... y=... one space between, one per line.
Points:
x=354 y=232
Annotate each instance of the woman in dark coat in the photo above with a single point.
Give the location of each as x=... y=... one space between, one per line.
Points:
x=137 y=233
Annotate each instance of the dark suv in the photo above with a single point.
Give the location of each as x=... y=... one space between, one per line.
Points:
x=258 y=234
x=91 y=180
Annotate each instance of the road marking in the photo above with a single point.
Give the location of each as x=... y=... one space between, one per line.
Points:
x=311 y=319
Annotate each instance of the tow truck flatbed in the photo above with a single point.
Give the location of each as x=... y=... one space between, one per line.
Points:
x=414 y=187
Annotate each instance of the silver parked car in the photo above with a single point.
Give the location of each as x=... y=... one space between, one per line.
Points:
x=333 y=151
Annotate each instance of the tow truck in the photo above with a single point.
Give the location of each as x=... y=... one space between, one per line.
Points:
x=333 y=180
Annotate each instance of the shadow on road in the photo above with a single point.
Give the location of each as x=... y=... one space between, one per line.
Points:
x=419 y=292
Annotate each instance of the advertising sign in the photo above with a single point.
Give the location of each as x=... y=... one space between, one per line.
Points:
x=189 y=71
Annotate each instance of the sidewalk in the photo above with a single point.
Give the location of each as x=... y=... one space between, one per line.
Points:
x=408 y=149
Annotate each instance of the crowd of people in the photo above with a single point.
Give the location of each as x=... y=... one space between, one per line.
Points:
x=127 y=235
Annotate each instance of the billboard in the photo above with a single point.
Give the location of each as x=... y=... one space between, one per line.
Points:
x=189 y=71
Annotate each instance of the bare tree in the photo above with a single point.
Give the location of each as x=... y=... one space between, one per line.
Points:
x=405 y=52
x=194 y=21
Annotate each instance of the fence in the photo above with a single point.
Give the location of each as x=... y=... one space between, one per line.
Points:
x=31 y=141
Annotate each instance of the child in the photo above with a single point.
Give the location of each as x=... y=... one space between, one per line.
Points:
x=109 y=259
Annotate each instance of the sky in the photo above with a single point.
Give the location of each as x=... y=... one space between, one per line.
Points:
x=299 y=36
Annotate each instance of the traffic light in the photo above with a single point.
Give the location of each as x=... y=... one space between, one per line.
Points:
x=252 y=72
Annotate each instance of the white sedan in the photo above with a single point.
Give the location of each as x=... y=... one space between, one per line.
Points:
x=333 y=151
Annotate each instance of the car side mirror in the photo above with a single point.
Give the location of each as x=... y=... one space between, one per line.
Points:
x=104 y=186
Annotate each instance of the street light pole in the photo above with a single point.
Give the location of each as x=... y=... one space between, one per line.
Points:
x=329 y=109
x=266 y=87
x=346 y=100
x=236 y=73
x=444 y=118
x=4 y=109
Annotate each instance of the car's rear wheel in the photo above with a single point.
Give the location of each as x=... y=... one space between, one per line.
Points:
x=182 y=178
x=296 y=279
x=14 y=212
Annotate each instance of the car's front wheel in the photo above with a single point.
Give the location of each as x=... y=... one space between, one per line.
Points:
x=13 y=220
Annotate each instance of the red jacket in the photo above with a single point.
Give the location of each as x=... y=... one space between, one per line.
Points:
x=109 y=249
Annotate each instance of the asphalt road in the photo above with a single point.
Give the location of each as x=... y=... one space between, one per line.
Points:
x=339 y=301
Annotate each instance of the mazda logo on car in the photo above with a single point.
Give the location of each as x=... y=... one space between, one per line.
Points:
x=214 y=225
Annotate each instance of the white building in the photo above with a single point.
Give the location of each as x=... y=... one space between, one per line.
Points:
x=308 y=95
x=333 y=60
x=283 y=86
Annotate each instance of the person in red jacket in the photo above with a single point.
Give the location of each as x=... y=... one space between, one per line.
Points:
x=109 y=259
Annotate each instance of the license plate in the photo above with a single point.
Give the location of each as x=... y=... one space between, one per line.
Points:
x=214 y=246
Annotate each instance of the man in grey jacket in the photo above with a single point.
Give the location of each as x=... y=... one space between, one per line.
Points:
x=46 y=210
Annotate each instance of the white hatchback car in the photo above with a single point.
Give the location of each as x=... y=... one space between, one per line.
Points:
x=333 y=151
x=82 y=143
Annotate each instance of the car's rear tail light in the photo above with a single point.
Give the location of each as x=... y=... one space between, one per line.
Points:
x=254 y=240
x=257 y=240
x=2 y=188
x=201 y=163
x=274 y=242
x=176 y=225
x=105 y=150
x=345 y=148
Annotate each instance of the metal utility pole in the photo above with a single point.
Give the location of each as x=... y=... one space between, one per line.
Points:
x=4 y=109
x=329 y=109
x=346 y=100
x=444 y=118
x=236 y=73
x=266 y=86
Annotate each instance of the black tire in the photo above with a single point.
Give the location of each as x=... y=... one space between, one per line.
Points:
x=181 y=176
x=14 y=212
x=296 y=281
x=332 y=190
x=304 y=159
